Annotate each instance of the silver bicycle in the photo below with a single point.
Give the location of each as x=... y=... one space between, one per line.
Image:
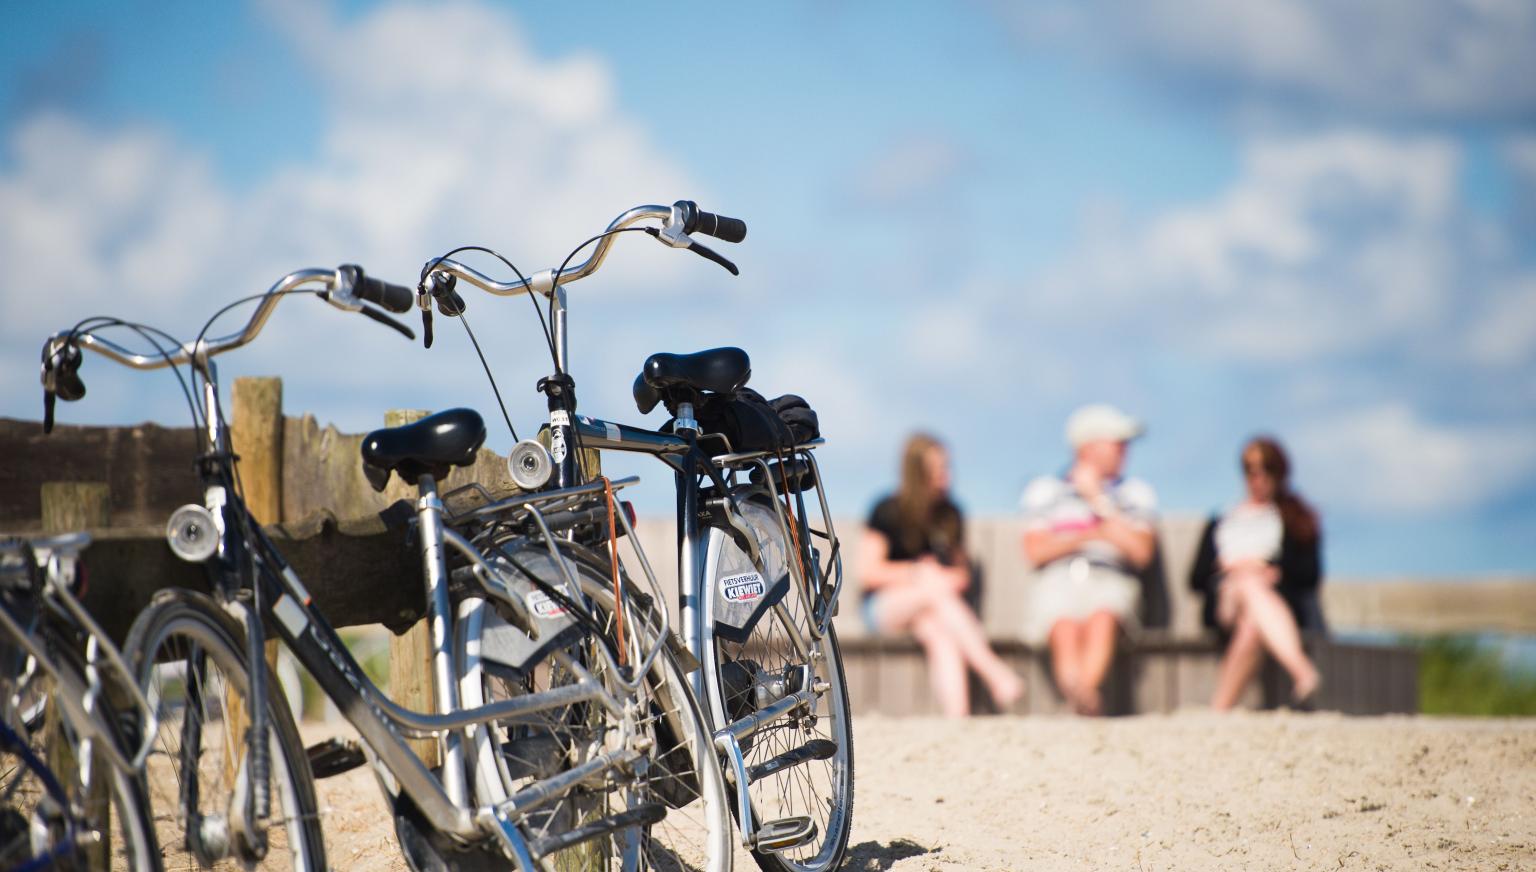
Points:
x=759 y=581
x=74 y=727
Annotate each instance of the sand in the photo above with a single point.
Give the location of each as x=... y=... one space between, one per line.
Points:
x=1190 y=791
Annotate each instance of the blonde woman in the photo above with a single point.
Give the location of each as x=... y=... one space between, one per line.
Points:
x=915 y=575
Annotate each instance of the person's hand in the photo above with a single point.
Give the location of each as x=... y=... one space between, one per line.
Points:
x=958 y=578
x=1087 y=481
x=1259 y=570
x=1244 y=565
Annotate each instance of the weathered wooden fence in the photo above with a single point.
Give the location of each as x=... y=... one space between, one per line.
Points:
x=325 y=515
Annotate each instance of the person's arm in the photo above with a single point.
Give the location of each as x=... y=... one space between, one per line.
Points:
x=1301 y=565
x=876 y=569
x=878 y=572
x=1135 y=540
x=1203 y=576
x=1043 y=545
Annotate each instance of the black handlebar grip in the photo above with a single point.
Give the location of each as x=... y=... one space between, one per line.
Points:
x=395 y=298
x=721 y=227
x=696 y=220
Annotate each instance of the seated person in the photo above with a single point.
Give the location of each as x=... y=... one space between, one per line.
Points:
x=1090 y=532
x=1259 y=569
x=915 y=576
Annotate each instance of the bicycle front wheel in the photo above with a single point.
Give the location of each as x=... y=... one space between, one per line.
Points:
x=189 y=656
x=676 y=799
x=757 y=649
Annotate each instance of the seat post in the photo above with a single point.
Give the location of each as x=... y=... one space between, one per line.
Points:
x=429 y=515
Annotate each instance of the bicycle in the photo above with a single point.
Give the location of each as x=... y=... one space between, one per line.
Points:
x=756 y=596
x=71 y=794
x=579 y=715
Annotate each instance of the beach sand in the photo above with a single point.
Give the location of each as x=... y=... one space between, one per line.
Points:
x=1189 y=791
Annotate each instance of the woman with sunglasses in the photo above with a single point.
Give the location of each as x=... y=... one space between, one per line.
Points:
x=1259 y=567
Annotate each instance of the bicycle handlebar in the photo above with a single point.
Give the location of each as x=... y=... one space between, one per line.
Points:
x=679 y=220
x=345 y=287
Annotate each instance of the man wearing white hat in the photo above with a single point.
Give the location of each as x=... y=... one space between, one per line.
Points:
x=1090 y=533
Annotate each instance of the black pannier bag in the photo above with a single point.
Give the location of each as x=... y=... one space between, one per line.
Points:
x=753 y=423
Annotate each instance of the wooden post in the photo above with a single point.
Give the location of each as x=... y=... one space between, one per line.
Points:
x=256 y=434
x=69 y=506
x=74 y=505
x=410 y=654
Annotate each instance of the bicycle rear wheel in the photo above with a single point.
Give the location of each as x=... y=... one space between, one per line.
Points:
x=799 y=764
x=189 y=656
x=91 y=816
x=675 y=798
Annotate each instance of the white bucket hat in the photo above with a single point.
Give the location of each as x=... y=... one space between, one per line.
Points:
x=1101 y=422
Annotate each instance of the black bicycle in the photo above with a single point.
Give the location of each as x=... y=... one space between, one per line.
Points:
x=568 y=735
x=759 y=581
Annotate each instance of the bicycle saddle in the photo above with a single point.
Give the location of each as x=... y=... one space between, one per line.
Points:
x=718 y=371
x=432 y=445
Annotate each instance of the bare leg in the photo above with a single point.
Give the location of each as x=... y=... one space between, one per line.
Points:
x=1098 y=652
x=1066 y=657
x=1262 y=605
x=946 y=665
x=1239 y=664
x=1002 y=682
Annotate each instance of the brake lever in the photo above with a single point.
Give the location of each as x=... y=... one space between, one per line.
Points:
x=710 y=254
x=426 y=325
x=387 y=321
x=49 y=399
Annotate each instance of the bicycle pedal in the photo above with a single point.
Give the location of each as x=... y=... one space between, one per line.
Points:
x=784 y=834
x=641 y=816
x=815 y=749
x=335 y=756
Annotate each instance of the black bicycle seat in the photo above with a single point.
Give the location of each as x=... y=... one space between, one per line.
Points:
x=718 y=371
x=433 y=445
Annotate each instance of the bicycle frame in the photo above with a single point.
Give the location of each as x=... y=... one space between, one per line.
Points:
x=384 y=725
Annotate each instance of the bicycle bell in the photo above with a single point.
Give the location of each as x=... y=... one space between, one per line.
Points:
x=192 y=533
x=530 y=465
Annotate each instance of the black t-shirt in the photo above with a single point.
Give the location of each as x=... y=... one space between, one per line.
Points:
x=886 y=520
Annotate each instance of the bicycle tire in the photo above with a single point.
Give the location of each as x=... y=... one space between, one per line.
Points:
x=129 y=834
x=188 y=628
x=821 y=789
x=682 y=773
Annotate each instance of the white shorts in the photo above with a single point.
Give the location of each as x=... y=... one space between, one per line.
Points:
x=1075 y=589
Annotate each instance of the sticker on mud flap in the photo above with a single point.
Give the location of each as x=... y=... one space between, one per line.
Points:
x=743 y=588
x=544 y=605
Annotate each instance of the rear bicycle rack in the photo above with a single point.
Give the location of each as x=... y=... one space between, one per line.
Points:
x=822 y=591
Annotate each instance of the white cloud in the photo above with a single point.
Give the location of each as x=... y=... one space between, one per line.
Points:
x=914 y=170
x=418 y=150
x=1504 y=334
x=1457 y=59
x=1329 y=245
x=1387 y=458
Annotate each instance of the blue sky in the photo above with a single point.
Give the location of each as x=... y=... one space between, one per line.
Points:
x=1305 y=218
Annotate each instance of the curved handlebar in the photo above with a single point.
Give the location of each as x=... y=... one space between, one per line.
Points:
x=202 y=350
x=345 y=287
x=679 y=219
x=544 y=282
